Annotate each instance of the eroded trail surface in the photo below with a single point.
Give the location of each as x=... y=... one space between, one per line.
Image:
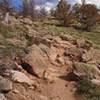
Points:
x=60 y=91
x=49 y=69
x=60 y=88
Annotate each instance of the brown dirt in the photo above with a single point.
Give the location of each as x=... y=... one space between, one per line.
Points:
x=59 y=89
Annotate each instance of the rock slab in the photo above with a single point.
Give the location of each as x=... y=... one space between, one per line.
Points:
x=5 y=85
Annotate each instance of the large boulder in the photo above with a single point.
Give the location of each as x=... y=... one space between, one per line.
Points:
x=83 y=69
x=92 y=56
x=5 y=85
x=36 y=60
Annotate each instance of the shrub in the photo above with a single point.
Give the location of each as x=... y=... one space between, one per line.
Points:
x=63 y=13
x=88 y=17
x=88 y=90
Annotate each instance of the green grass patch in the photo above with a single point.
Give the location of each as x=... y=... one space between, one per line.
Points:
x=93 y=36
x=87 y=90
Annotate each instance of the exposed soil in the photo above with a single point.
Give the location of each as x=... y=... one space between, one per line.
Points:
x=58 y=89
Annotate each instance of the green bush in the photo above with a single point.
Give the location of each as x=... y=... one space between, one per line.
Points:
x=88 y=90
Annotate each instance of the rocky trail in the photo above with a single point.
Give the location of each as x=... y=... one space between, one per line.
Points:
x=60 y=88
x=49 y=68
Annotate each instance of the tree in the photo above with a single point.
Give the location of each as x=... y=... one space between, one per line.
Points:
x=42 y=14
x=52 y=12
x=63 y=13
x=25 y=8
x=5 y=5
x=83 y=2
x=76 y=9
x=32 y=9
x=6 y=8
x=28 y=8
x=88 y=16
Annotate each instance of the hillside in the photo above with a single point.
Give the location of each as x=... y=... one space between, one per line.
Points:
x=45 y=61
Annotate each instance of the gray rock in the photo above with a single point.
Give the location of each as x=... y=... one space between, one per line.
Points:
x=83 y=69
x=5 y=85
x=21 y=77
x=2 y=97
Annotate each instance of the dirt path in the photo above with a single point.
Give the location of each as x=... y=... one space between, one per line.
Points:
x=61 y=90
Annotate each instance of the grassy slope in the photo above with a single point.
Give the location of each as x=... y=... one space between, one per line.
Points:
x=93 y=36
x=6 y=32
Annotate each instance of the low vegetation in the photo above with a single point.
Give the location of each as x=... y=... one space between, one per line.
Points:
x=88 y=90
x=77 y=33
